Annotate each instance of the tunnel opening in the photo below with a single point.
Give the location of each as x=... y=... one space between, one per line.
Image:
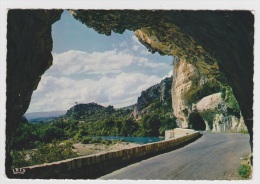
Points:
x=196 y=122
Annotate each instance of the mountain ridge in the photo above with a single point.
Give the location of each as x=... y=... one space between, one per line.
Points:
x=45 y=114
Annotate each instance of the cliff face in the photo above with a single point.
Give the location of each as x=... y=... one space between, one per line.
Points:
x=29 y=55
x=29 y=45
x=157 y=94
x=217 y=116
x=187 y=83
x=193 y=95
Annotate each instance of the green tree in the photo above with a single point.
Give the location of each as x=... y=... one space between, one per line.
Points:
x=150 y=125
x=129 y=126
x=51 y=133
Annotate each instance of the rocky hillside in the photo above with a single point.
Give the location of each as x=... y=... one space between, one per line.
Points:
x=217 y=115
x=202 y=102
x=157 y=97
x=197 y=103
x=93 y=112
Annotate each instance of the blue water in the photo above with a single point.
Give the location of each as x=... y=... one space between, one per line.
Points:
x=137 y=140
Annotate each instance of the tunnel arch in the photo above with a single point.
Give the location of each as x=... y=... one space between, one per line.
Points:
x=195 y=35
x=196 y=122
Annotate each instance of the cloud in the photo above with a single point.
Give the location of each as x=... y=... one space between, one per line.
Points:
x=101 y=63
x=113 y=77
x=142 y=61
x=62 y=93
x=75 y=62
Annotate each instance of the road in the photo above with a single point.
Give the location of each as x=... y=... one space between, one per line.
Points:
x=214 y=156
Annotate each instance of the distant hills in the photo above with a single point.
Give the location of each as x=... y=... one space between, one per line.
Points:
x=155 y=98
x=41 y=116
x=150 y=116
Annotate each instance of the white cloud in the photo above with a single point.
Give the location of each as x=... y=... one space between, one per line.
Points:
x=142 y=61
x=114 y=77
x=62 y=93
x=75 y=62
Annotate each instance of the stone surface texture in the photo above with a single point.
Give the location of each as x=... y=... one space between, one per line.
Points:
x=214 y=112
x=160 y=91
x=29 y=46
x=193 y=93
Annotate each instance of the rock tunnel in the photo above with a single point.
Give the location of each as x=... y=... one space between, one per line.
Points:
x=196 y=122
x=217 y=42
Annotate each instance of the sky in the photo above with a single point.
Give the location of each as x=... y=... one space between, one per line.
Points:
x=91 y=67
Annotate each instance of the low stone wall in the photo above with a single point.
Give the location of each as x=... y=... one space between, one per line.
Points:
x=178 y=132
x=93 y=166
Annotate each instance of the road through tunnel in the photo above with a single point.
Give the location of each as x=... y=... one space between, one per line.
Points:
x=196 y=122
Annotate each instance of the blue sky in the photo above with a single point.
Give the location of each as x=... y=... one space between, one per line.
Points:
x=91 y=67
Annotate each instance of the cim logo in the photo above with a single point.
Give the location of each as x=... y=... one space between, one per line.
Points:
x=18 y=171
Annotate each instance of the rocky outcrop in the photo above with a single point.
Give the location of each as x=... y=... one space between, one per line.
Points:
x=29 y=46
x=188 y=84
x=217 y=116
x=159 y=93
x=195 y=95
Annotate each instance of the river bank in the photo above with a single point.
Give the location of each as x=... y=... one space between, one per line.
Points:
x=89 y=149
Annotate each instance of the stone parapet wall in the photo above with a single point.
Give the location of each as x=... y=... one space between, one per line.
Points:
x=178 y=132
x=93 y=166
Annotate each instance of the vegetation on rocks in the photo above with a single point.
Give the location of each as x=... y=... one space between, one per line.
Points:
x=227 y=95
x=45 y=153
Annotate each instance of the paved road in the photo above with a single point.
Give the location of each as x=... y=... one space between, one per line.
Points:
x=214 y=156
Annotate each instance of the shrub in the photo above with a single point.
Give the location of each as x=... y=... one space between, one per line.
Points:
x=107 y=142
x=86 y=140
x=227 y=95
x=95 y=140
x=51 y=133
x=19 y=158
x=244 y=171
x=45 y=153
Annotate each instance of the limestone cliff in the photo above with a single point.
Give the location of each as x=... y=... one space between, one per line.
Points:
x=196 y=95
x=157 y=94
x=217 y=116
x=187 y=86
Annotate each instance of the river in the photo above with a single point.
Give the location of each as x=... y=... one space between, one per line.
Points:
x=137 y=140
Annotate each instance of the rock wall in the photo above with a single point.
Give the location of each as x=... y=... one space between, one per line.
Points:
x=193 y=93
x=29 y=45
x=187 y=83
x=160 y=92
x=215 y=113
